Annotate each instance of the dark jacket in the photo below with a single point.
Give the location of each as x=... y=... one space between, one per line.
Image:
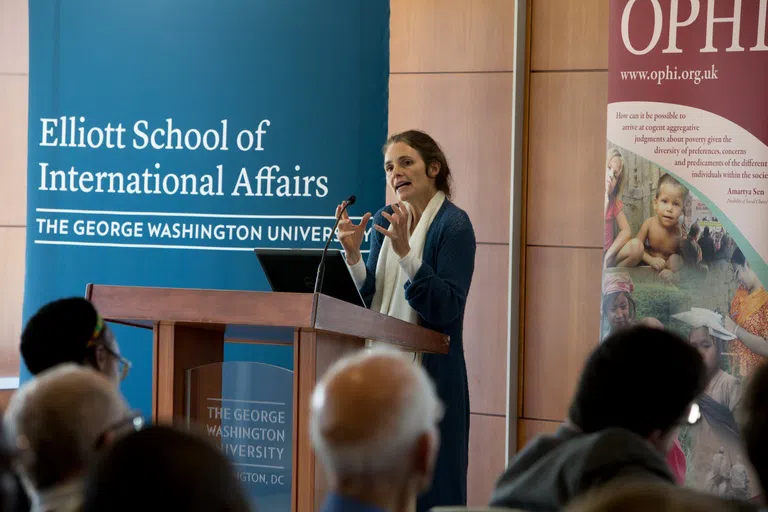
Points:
x=554 y=469
x=438 y=293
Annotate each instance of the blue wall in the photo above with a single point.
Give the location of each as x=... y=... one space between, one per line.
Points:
x=306 y=78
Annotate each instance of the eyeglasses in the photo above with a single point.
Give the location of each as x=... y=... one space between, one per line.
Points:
x=102 y=337
x=124 y=365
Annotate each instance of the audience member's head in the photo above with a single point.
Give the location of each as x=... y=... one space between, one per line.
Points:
x=162 y=468
x=753 y=420
x=58 y=422
x=70 y=330
x=373 y=421
x=641 y=379
x=643 y=497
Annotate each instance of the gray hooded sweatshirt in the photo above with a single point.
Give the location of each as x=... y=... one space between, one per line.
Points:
x=553 y=469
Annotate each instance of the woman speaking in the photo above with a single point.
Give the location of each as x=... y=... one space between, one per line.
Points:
x=419 y=270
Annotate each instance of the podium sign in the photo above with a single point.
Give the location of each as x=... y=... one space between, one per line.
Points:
x=247 y=409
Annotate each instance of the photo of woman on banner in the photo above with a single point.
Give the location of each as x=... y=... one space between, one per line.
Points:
x=618 y=304
x=716 y=457
x=419 y=269
x=748 y=318
x=621 y=250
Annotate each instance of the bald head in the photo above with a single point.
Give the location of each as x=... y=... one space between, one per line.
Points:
x=57 y=418
x=369 y=410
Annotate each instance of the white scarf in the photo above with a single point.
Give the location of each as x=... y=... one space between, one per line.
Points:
x=390 y=277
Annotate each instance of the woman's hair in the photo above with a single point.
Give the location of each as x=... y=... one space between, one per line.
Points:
x=430 y=151
x=60 y=332
x=610 y=298
x=705 y=233
x=693 y=232
x=738 y=258
x=612 y=153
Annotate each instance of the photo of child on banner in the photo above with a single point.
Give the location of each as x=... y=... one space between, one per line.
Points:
x=668 y=262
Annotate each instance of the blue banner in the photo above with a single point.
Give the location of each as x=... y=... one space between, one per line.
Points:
x=168 y=139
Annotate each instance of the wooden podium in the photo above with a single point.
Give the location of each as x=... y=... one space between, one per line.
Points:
x=189 y=327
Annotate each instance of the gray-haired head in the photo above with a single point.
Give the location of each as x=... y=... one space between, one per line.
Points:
x=56 y=419
x=375 y=413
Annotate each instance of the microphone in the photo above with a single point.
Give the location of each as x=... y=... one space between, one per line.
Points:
x=321 y=267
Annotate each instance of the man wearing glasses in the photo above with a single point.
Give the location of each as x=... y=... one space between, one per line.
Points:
x=70 y=330
x=58 y=423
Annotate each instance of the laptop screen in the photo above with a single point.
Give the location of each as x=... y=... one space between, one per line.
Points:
x=295 y=271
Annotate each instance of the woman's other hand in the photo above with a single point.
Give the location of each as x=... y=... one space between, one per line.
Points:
x=398 y=229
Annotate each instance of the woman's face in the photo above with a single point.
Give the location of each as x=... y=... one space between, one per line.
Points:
x=704 y=343
x=619 y=313
x=407 y=174
x=746 y=276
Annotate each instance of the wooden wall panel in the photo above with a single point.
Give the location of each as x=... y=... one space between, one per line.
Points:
x=470 y=116
x=566 y=159
x=565 y=147
x=12 y=241
x=562 y=322
x=485 y=330
x=451 y=35
x=527 y=430
x=14 y=37
x=569 y=34
x=450 y=64
x=5 y=398
x=13 y=149
x=14 y=67
x=487 y=458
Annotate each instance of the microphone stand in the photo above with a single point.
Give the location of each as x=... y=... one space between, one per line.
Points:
x=321 y=266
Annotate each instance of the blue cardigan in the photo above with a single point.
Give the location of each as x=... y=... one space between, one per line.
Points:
x=438 y=293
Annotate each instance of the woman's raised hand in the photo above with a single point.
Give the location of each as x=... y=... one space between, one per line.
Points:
x=350 y=234
x=398 y=229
